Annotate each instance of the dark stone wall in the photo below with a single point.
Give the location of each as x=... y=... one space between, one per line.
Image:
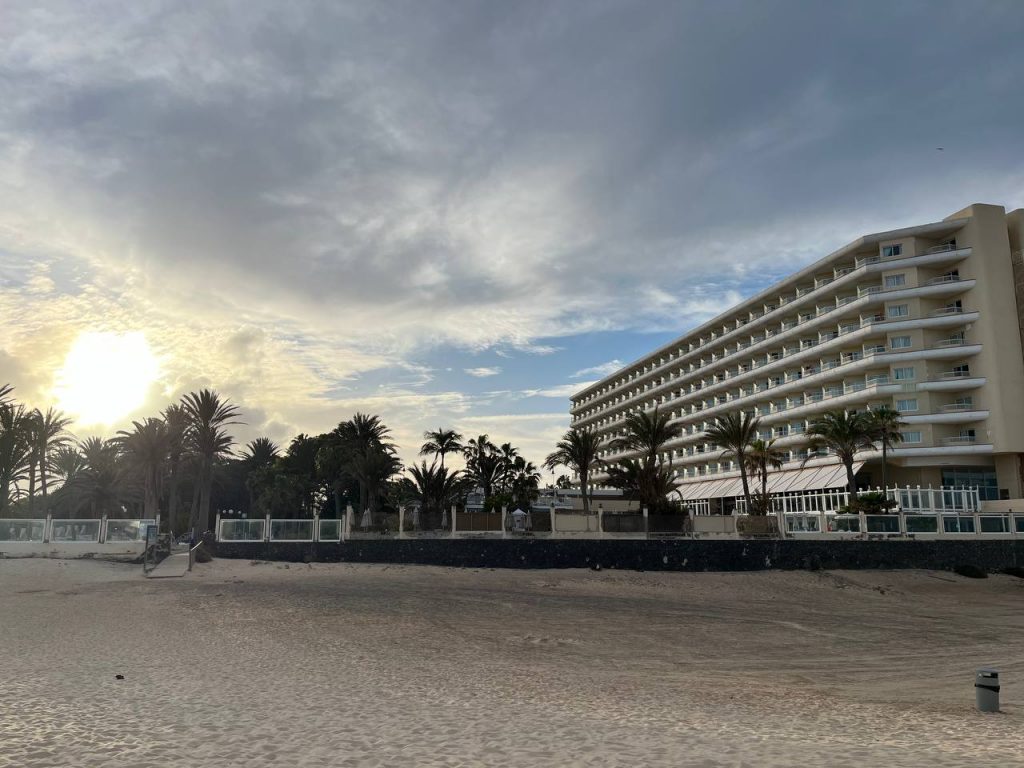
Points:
x=648 y=555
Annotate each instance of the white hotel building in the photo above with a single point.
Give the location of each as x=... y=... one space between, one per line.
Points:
x=926 y=320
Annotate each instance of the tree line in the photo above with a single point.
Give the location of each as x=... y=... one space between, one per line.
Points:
x=648 y=477
x=183 y=465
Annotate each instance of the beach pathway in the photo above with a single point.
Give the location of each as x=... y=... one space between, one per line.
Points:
x=173 y=566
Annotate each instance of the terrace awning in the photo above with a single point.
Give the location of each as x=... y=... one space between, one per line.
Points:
x=829 y=476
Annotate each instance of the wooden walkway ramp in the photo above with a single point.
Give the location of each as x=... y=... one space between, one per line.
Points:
x=173 y=566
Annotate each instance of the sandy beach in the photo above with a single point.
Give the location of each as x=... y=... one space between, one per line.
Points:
x=262 y=664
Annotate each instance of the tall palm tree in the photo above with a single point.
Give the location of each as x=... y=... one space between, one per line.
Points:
x=762 y=456
x=208 y=415
x=48 y=434
x=578 y=450
x=646 y=435
x=845 y=433
x=177 y=421
x=363 y=446
x=483 y=464
x=440 y=442
x=5 y=393
x=885 y=425
x=145 y=449
x=15 y=449
x=733 y=433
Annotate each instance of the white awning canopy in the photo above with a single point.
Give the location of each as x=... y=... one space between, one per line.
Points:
x=827 y=477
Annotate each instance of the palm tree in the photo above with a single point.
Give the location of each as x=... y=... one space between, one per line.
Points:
x=483 y=464
x=49 y=433
x=67 y=463
x=5 y=393
x=761 y=456
x=363 y=450
x=578 y=450
x=650 y=484
x=733 y=433
x=207 y=416
x=177 y=422
x=441 y=441
x=15 y=449
x=102 y=485
x=435 y=488
x=524 y=482
x=885 y=425
x=646 y=434
x=845 y=433
x=260 y=452
x=145 y=449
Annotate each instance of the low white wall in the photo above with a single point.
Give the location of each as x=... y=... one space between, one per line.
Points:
x=71 y=550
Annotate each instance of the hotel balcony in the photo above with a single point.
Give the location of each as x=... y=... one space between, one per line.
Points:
x=692 y=349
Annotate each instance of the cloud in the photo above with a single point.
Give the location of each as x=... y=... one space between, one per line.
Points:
x=483 y=372
x=604 y=369
x=312 y=226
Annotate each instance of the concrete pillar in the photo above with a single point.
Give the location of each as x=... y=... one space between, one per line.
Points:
x=266 y=533
x=103 y=530
x=552 y=517
x=600 y=520
x=401 y=521
x=346 y=529
x=647 y=528
x=216 y=529
x=454 y=526
x=47 y=528
x=316 y=528
x=504 y=517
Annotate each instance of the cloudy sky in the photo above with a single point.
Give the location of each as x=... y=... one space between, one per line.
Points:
x=454 y=213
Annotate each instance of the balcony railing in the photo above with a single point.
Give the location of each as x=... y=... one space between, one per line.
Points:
x=943 y=248
x=957 y=407
x=960 y=440
x=955 y=375
x=955 y=341
x=943 y=279
x=942 y=312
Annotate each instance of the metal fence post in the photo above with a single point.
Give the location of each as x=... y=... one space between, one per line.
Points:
x=266 y=533
x=647 y=529
x=102 y=537
x=216 y=528
x=347 y=527
x=401 y=521
x=47 y=528
x=454 y=526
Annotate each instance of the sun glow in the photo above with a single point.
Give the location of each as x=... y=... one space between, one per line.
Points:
x=106 y=376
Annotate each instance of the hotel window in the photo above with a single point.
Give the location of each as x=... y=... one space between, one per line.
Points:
x=906 y=406
x=895 y=281
x=904 y=374
x=899 y=310
x=899 y=342
x=911 y=437
x=888 y=251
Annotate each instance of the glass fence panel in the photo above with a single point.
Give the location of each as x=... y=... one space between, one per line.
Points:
x=994 y=523
x=291 y=530
x=922 y=524
x=803 y=523
x=957 y=524
x=846 y=523
x=21 y=530
x=1019 y=521
x=330 y=530
x=79 y=531
x=882 y=523
x=241 y=530
x=127 y=530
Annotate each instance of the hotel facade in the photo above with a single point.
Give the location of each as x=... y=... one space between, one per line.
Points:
x=926 y=320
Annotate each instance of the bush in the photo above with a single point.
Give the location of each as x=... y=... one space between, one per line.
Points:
x=971 y=571
x=203 y=555
x=1014 y=570
x=873 y=503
